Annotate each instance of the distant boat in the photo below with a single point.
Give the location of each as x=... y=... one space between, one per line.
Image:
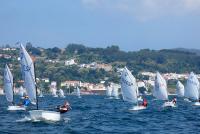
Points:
x=109 y=91
x=31 y=87
x=115 y=92
x=61 y=93
x=192 y=88
x=78 y=93
x=41 y=94
x=8 y=88
x=180 y=89
x=129 y=89
x=54 y=92
x=160 y=90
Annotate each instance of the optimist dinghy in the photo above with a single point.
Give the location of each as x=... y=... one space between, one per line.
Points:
x=27 y=67
x=192 y=89
x=160 y=91
x=129 y=89
x=8 y=88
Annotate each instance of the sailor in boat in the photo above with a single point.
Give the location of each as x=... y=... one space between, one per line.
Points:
x=144 y=103
x=174 y=101
x=65 y=107
x=25 y=102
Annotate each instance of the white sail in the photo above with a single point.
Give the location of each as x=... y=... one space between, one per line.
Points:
x=180 y=89
x=54 y=92
x=8 y=84
x=28 y=74
x=115 y=92
x=192 y=87
x=78 y=93
x=160 y=88
x=108 y=91
x=61 y=93
x=21 y=91
x=128 y=86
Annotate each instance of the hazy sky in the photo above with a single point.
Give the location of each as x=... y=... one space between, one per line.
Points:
x=130 y=24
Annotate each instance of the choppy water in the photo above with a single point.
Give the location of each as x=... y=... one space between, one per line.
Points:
x=97 y=115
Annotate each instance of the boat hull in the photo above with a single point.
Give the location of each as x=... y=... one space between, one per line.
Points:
x=196 y=104
x=44 y=115
x=137 y=108
x=168 y=104
x=16 y=108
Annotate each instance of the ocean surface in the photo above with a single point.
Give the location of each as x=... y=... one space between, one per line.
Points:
x=97 y=115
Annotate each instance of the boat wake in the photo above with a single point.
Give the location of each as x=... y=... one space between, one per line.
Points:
x=25 y=119
x=66 y=120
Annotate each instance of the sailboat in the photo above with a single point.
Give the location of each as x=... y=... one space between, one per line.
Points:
x=78 y=93
x=109 y=92
x=180 y=89
x=8 y=88
x=27 y=66
x=160 y=90
x=21 y=92
x=192 y=88
x=61 y=93
x=54 y=92
x=115 y=93
x=129 y=89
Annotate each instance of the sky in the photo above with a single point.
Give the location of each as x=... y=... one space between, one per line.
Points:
x=130 y=24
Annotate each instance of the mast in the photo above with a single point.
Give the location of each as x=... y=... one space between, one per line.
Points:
x=36 y=86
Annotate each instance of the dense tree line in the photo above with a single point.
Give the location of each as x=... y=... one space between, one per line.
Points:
x=143 y=60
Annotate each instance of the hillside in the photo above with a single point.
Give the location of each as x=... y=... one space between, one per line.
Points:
x=51 y=62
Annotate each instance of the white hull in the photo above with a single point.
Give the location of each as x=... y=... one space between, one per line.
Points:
x=16 y=108
x=196 y=104
x=44 y=115
x=55 y=95
x=62 y=96
x=186 y=99
x=168 y=104
x=136 y=108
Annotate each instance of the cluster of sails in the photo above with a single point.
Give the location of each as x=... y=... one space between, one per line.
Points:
x=129 y=90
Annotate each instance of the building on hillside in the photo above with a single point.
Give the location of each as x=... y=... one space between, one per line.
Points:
x=70 y=83
x=70 y=62
x=46 y=80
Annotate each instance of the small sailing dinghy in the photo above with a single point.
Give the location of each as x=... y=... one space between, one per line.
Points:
x=78 y=93
x=160 y=91
x=8 y=88
x=192 y=89
x=109 y=92
x=115 y=92
x=129 y=89
x=61 y=93
x=54 y=92
x=27 y=66
x=180 y=89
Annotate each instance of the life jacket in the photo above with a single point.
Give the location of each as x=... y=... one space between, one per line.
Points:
x=145 y=102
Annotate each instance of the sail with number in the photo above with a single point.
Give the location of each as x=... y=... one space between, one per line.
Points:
x=160 y=88
x=192 y=87
x=27 y=67
x=128 y=86
x=180 y=89
x=8 y=84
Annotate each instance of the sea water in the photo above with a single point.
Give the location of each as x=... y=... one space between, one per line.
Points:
x=98 y=115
